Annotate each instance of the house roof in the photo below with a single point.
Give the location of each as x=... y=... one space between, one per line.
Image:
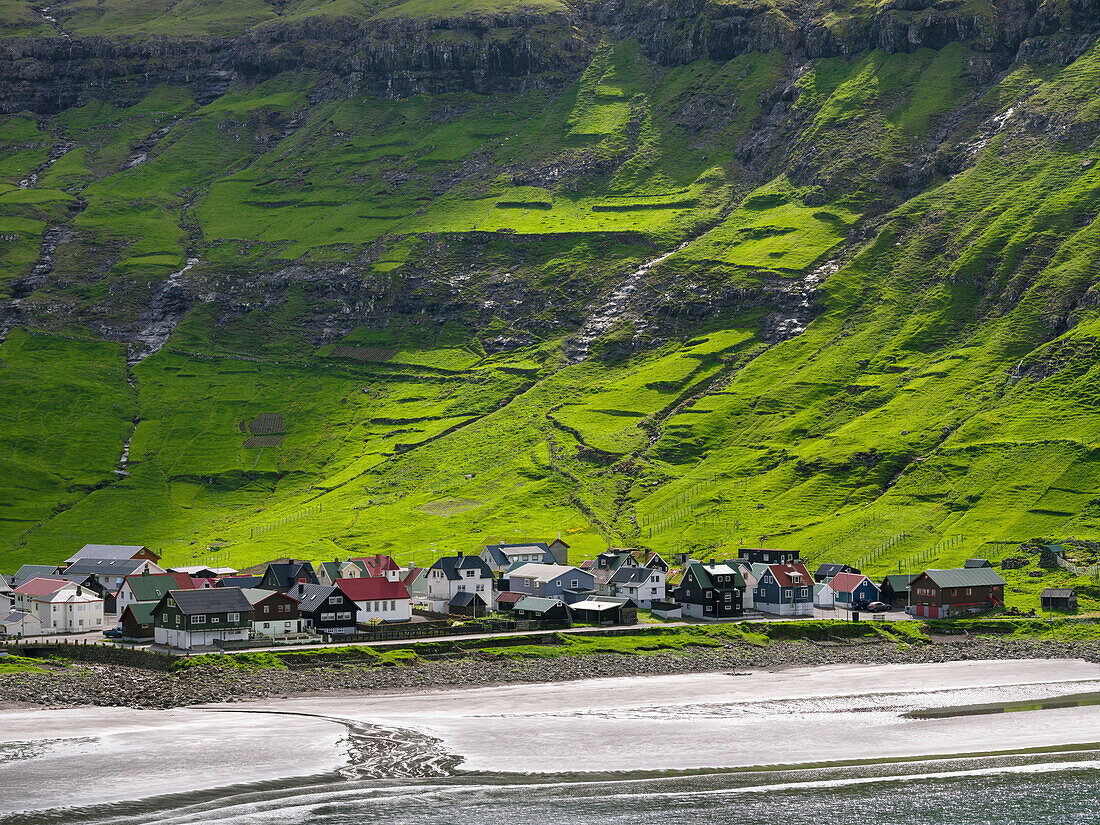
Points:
x=899 y=582
x=965 y=577
x=212 y=600
x=15 y=617
x=846 y=582
x=501 y=553
x=1058 y=592
x=41 y=587
x=537 y=604
x=32 y=571
x=509 y=597
x=200 y=570
x=785 y=573
x=829 y=569
x=451 y=565
x=286 y=574
x=104 y=567
x=142 y=612
x=600 y=604
x=411 y=574
x=109 y=551
x=704 y=572
x=377 y=565
x=973 y=563
x=465 y=598
x=311 y=596
x=239 y=581
x=152 y=588
x=372 y=587
x=632 y=575
x=255 y=595
x=542 y=572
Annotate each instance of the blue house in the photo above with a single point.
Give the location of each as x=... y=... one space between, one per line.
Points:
x=551 y=581
x=847 y=589
x=784 y=590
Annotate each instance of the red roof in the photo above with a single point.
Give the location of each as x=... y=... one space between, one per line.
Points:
x=410 y=574
x=361 y=590
x=183 y=581
x=378 y=564
x=40 y=587
x=846 y=582
x=782 y=573
x=509 y=597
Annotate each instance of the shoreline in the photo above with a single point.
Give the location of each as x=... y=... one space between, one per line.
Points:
x=82 y=684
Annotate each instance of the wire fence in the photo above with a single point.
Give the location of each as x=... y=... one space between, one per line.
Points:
x=303 y=512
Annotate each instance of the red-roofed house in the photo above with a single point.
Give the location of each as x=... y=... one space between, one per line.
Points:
x=380 y=566
x=378 y=598
x=784 y=590
x=847 y=589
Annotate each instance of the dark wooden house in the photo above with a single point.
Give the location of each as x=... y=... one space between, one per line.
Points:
x=711 y=591
x=939 y=594
x=325 y=609
x=137 y=621
x=273 y=613
x=284 y=576
x=188 y=619
x=537 y=607
x=1059 y=598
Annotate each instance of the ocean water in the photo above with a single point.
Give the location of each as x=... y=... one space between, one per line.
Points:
x=808 y=745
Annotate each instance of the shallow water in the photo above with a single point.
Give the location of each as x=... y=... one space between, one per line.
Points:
x=592 y=751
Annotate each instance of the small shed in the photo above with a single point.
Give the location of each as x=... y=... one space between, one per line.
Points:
x=506 y=601
x=667 y=610
x=137 y=620
x=1059 y=598
x=539 y=608
x=465 y=603
x=605 y=610
x=974 y=564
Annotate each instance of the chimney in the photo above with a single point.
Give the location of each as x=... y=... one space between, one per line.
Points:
x=145 y=571
x=79 y=592
x=460 y=554
x=301 y=588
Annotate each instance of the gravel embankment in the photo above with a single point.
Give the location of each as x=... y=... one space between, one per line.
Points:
x=90 y=684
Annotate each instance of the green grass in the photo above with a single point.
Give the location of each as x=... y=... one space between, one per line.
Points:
x=20 y=664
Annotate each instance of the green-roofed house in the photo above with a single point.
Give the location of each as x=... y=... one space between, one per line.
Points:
x=540 y=608
x=137 y=621
x=939 y=594
x=711 y=591
x=148 y=587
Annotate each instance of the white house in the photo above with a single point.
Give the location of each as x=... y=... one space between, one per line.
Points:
x=378 y=598
x=61 y=606
x=500 y=557
x=452 y=575
x=642 y=585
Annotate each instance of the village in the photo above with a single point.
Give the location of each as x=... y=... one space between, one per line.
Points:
x=122 y=594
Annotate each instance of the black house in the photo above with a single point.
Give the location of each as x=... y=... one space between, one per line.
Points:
x=710 y=591
x=765 y=556
x=324 y=609
x=284 y=576
x=827 y=571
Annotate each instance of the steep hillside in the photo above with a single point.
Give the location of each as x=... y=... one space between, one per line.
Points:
x=812 y=275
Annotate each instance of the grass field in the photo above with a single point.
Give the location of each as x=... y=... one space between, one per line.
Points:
x=398 y=278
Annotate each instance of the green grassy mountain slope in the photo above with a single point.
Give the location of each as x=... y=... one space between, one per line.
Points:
x=815 y=277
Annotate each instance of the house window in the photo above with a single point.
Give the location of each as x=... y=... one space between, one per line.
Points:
x=215 y=620
x=558 y=583
x=786 y=594
x=328 y=617
x=469 y=574
x=367 y=607
x=198 y=618
x=171 y=603
x=575 y=583
x=233 y=617
x=393 y=604
x=177 y=620
x=969 y=591
x=344 y=617
x=709 y=594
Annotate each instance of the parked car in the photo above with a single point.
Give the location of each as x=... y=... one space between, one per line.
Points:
x=113 y=633
x=878 y=607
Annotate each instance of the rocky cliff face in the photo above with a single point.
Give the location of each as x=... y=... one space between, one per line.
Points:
x=489 y=52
